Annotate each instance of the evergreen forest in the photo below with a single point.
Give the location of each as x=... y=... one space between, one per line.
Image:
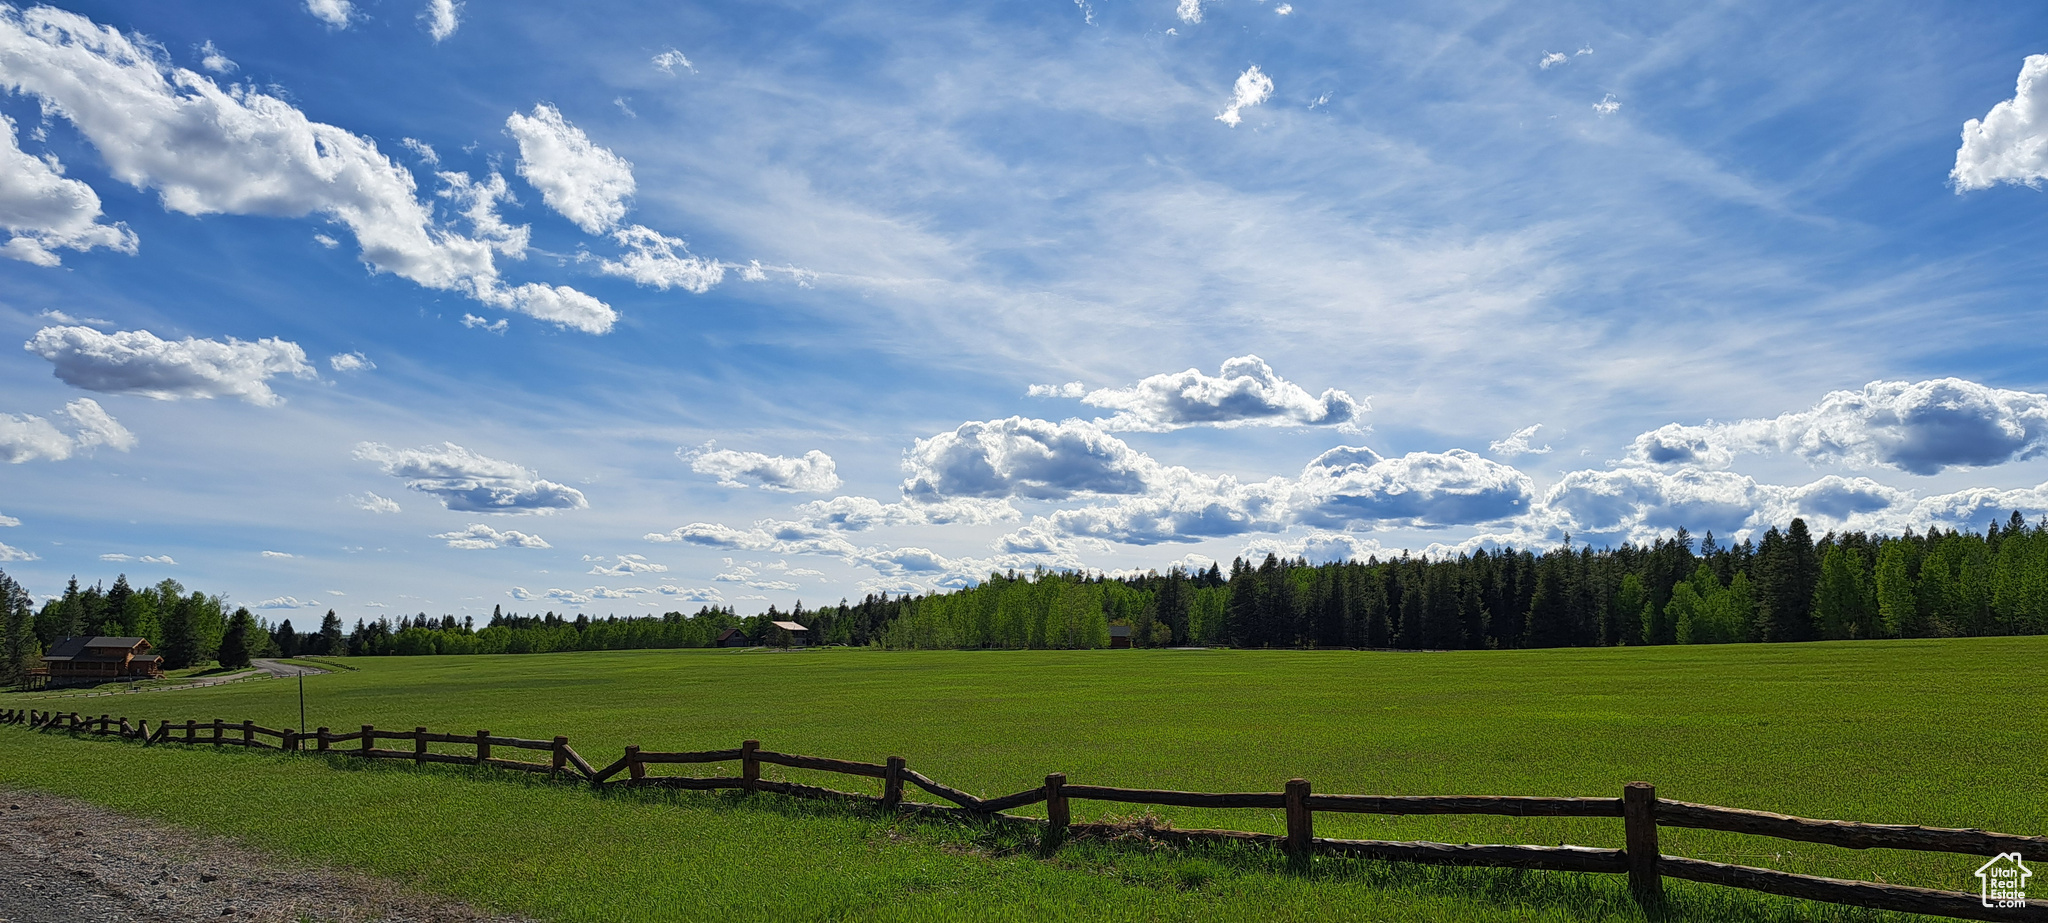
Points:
x=1786 y=586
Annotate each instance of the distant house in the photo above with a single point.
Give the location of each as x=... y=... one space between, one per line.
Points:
x=797 y=633
x=733 y=637
x=1119 y=637
x=98 y=660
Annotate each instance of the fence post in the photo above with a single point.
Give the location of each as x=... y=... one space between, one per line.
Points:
x=561 y=757
x=248 y=733
x=219 y=732
x=1301 y=830
x=369 y=740
x=1639 y=820
x=320 y=740
x=1056 y=815
x=191 y=731
x=419 y=746
x=892 y=784
x=104 y=721
x=635 y=769
x=750 y=765
x=483 y=747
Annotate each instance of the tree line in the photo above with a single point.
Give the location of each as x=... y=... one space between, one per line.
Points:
x=1785 y=586
x=187 y=629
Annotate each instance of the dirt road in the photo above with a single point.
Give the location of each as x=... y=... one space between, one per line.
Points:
x=66 y=861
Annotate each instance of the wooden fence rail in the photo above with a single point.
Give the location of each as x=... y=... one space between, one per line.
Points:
x=1642 y=813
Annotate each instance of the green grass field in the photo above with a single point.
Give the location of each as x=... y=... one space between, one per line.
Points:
x=1943 y=733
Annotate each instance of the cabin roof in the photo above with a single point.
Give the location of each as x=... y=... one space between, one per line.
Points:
x=74 y=649
x=790 y=626
x=1119 y=631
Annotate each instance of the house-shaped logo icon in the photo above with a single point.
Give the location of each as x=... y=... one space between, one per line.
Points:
x=2005 y=881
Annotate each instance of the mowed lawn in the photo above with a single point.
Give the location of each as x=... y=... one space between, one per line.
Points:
x=1944 y=733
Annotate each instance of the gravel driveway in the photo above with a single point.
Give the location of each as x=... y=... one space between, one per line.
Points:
x=65 y=861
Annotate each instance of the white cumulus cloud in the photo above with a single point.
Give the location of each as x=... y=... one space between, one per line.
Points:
x=556 y=304
x=1022 y=457
x=1189 y=11
x=27 y=437
x=11 y=553
x=138 y=362
x=442 y=17
x=373 y=503
x=468 y=482
x=207 y=149
x=813 y=472
x=1072 y=389
x=350 y=362
x=479 y=537
x=1252 y=88
x=212 y=59
x=1247 y=392
x=1517 y=443
x=585 y=183
x=2010 y=143
x=45 y=211
x=336 y=13
x=628 y=565
x=1920 y=427
x=1422 y=489
x=652 y=259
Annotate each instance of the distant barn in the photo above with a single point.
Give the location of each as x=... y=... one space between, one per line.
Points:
x=733 y=637
x=797 y=633
x=1119 y=637
x=99 y=660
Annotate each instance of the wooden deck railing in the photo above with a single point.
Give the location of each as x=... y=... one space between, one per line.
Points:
x=1642 y=813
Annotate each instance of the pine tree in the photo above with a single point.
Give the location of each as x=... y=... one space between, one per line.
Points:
x=234 y=643
x=19 y=648
x=114 y=618
x=331 y=641
x=181 y=636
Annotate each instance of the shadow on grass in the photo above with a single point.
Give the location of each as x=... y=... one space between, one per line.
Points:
x=1140 y=862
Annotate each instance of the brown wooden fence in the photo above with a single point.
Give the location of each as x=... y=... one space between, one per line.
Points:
x=1642 y=813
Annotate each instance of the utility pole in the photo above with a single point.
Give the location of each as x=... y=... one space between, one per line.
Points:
x=302 y=698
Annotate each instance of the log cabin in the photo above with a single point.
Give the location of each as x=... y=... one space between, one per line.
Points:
x=101 y=659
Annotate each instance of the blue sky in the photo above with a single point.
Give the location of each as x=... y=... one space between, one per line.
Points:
x=397 y=306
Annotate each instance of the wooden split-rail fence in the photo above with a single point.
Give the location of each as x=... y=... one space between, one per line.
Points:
x=1642 y=813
